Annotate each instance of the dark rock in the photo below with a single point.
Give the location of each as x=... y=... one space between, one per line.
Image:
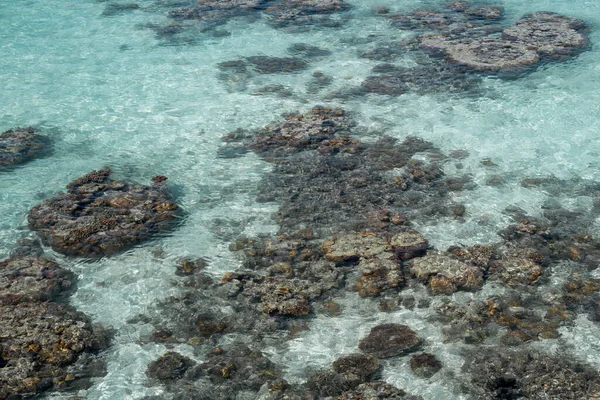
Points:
x=421 y=79
x=408 y=244
x=330 y=383
x=424 y=19
x=186 y=266
x=304 y=12
x=508 y=374
x=376 y=390
x=307 y=50
x=276 y=90
x=239 y=368
x=319 y=81
x=300 y=132
x=277 y=65
x=169 y=367
x=98 y=216
x=389 y=340
x=37 y=344
x=31 y=279
x=112 y=9
x=27 y=247
x=362 y=365
x=282 y=296
x=19 y=145
x=209 y=324
x=425 y=365
x=385 y=84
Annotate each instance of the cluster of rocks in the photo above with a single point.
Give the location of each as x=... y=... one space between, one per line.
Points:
x=236 y=370
x=20 y=145
x=534 y=38
x=237 y=74
x=98 y=216
x=345 y=210
x=240 y=370
x=499 y=373
x=464 y=41
x=278 y=13
x=44 y=344
x=305 y=12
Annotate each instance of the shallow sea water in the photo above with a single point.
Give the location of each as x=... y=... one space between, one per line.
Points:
x=110 y=93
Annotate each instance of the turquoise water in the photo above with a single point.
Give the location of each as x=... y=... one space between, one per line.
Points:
x=110 y=93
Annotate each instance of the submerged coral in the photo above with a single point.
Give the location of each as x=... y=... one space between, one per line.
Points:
x=99 y=216
x=19 y=145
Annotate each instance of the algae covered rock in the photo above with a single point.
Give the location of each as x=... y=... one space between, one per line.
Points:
x=304 y=12
x=302 y=131
x=408 y=244
x=38 y=341
x=169 y=367
x=485 y=53
x=389 y=340
x=378 y=275
x=376 y=390
x=445 y=275
x=27 y=279
x=361 y=365
x=19 y=145
x=506 y=373
x=98 y=216
x=425 y=365
x=353 y=246
x=283 y=296
x=550 y=34
x=516 y=271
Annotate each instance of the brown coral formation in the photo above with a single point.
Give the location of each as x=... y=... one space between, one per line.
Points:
x=19 y=145
x=98 y=216
x=40 y=340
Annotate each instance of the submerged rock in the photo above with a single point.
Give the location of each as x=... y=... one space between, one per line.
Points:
x=38 y=341
x=283 y=296
x=485 y=54
x=31 y=279
x=516 y=271
x=508 y=374
x=550 y=34
x=304 y=12
x=408 y=244
x=378 y=275
x=276 y=65
x=348 y=372
x=425 y=365
x=328 y=383
x=99 y=217
x=446 y=275
x=302 y=131
x=534 y=38
x=19 y=145
x=169 y=367
x=362 y=365
x=353 y=246
x=389 y=340
x=376 y=390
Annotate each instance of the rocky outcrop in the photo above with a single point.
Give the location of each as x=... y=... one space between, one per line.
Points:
x=20 y=145
x=389 y=340
x=98 y=216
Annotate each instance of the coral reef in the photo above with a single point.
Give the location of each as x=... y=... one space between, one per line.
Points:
x=99 y=216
